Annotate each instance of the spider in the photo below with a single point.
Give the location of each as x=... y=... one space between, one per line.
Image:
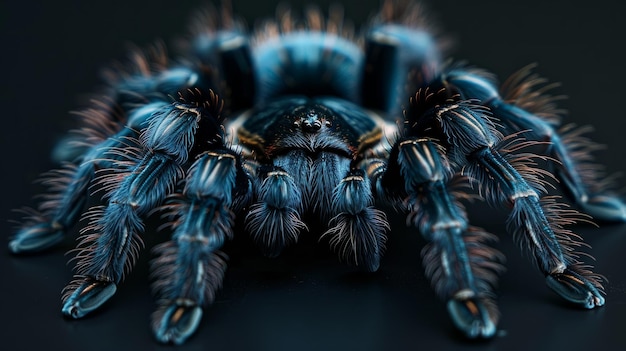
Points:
x=303 y=116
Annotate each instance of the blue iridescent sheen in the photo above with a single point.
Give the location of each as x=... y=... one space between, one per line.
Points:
x=301 y=119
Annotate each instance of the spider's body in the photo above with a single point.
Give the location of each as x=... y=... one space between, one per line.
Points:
x=306 y=118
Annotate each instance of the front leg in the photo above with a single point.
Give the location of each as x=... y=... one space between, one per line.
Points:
x=472 y=142
x=108 y=253
x=461 y=267
x=190 y=268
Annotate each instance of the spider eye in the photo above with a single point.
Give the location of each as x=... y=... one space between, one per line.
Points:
x=311 y=122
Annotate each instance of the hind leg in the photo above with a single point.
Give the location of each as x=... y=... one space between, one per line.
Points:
x=528 y=110
x=539 y=225
x=69 y=188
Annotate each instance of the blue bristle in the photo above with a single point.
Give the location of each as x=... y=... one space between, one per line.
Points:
x=421 y=161
x=212 y=175
x=171 y=130
x=353 y=194
x=153 y=178
x=120 y=227
x=357 y=232
x=114 y=246
x=274 y=221
x=326 y=173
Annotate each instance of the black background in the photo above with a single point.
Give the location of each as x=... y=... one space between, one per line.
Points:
x=52 y=53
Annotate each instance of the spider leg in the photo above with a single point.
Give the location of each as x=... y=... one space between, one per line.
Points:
x=107 y=254
x=357 y=232
x=274 y=220
x=539 y=225
x=114 y=118
x=165 y=145
x=398 y=44
x=579 y=178
x=472 y=144
x=147 y=78
x=227 y=51
x=71 y=185
x=437 y=115
x=462 y=268
x=190 y=267
x=107 y=124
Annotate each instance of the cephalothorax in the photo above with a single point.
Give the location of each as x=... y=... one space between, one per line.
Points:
x=304 y=116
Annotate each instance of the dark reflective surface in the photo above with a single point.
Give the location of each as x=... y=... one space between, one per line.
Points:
x=305 y=299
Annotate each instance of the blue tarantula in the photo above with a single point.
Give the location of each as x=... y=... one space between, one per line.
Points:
x=303 y=116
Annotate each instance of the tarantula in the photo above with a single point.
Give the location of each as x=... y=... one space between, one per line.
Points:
x=304 y=116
